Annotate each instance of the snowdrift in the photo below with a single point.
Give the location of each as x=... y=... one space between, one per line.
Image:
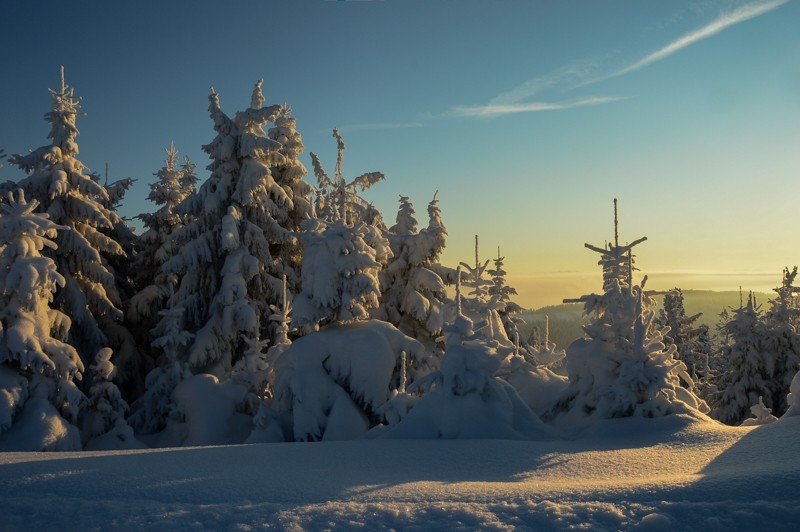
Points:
x=677 y=472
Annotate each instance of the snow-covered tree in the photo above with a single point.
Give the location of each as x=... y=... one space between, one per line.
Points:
x=481 y=307
x=290 y=175
x=782 y=322
x=749 y=371
x=464 y=399
x=72 y=198
x=174 y=183
x=342 y=254
x=340 y=274
x=413 y=295
x=229 y=276
x=623 y=368
x=158 y=405
x=545 y=352
x=500 y=294
x=476 y=300
x=103 y=421
x=332 y=384
x=38 y=369
x=762 y=415
x=691 y=348
x=131 y=361
x=336 y=198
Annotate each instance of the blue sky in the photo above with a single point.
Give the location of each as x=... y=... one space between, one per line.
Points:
x=528 y=117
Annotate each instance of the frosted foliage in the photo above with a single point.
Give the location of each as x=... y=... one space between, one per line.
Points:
x=40 y=427
x=782 y=341
x=174 y=183
x=158 y=405
x=761 y=415
x=72 y=198
x=107 y=409
x=259 y=367
x=31 y=332
x=500 y=295
x=464 y=399
x=334 y=381
x=13 y=394
x=340 y=273
x=413 y=295
x=750 y=366
x=543 y=352
x=338 y=199
x=688 y=339
x=235 y=250
x=290 y=176
x=623 y=368
x=476 y=300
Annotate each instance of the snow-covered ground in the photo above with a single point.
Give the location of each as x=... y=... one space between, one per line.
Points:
x=670 y=473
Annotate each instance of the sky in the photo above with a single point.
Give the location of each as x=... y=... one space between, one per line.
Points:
x=527 y=117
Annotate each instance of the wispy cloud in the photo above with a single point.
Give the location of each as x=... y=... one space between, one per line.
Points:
x=380 y=125
x=569 y=74
x=579 y=73
x=740 y=14
x=491 y=110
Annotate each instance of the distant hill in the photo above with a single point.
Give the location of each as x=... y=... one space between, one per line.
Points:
x=566 y=319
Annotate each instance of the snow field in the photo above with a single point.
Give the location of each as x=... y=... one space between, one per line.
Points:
x=673 y=473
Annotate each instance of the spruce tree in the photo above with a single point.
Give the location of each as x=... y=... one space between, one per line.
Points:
x=229 y=276
x=37 y=367
x=782 y=322
x=691 y=348
x=156 y=245
x=413 y=296
x=749 y=371
x=158 y=405
x=339 y=200
x=104 y=417
x=72 y=198
x=479 y=304
x=500 y=293
x=290 y=175
x=623 y=368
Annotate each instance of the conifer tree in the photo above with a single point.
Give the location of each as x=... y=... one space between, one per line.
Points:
x=37 y=367
x=479 y=304
x=336 y=198
x=500 y=293
x=72 y=198
x=156 y=246
x=131 y=361
x=106 y=409
x=229 y=276
x=782 y=322
x=749 y=371
x=290 y=175
x=691 y=348
x=464 y=398
x=342 y=254
x=158 y=405
x=623 y=368
x=413 y=296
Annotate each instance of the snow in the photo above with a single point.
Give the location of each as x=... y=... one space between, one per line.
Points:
x=670 y=473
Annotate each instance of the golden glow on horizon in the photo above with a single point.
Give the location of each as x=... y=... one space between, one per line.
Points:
x=543 y=289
